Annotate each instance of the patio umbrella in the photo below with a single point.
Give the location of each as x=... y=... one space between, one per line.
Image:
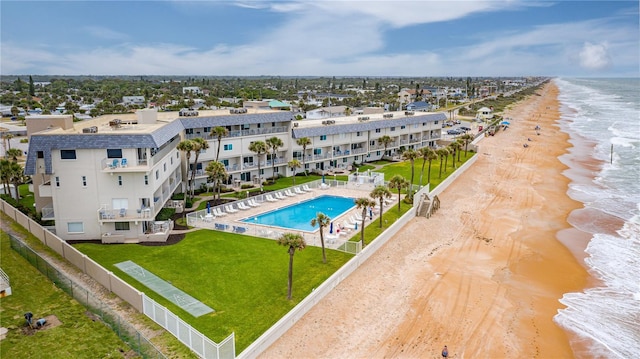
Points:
x=505 y=123
x=370 y=213
x=356 y=225
x=331 y=228
x=208 y=207
x=323 y=178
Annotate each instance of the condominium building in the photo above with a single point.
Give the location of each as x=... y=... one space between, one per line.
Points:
x=109 y=177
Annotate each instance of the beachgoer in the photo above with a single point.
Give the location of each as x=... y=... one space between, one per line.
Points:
x=445 y=352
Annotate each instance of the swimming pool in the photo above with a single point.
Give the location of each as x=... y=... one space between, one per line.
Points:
x=298 y=216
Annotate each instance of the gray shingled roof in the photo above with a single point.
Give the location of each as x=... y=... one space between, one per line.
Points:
x=366 y=126
x=231 y=120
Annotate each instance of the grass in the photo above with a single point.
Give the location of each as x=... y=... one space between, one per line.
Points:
x=373 y=229
x=77 y=337
x=404 y=169
x=243 y=278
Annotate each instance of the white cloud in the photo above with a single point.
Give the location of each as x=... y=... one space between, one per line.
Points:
x=594 y=56
x=105 y=33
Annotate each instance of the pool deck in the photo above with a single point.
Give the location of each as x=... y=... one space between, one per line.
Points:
x=230 y=221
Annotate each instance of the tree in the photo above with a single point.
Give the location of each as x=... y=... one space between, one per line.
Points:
x=186 y=146
x=5 y=174
x=380 y=193
x=304 y=142
x=410 y=155
x=454 y=147
x=11 y=172
x=321 y=220
x=386 y=141
x=218 y=132
x=294 y=165
x=293 y=241
x=217 y=173
x=363 y=203
x=13 y=153
x=273 y=144
x=442 y=153
x=260 y=148
x=199 y=144
x=428 y=155
x=398 y=182
x=7 y=138
x=466 y=139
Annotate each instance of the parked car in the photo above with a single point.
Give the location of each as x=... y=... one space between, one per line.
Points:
x=457 y=122
x=453 y=131
x=464 y=128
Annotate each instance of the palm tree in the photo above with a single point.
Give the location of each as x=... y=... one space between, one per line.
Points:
x=364 y=203
x=428 y=155
x=5 y=174
x=321 y=220
x=466 y=138
x=218 y=132
x=13 y=153
x=14 y=174
x=398 y=182
x=218 y=173
x=273 y=144
x=199 y=144
x=293 y=241
x=7 y=137
x=294 y=165
x=442 y=153
x=386 y=141
x=410 y=155
x=186 y=146
x=304 y=142
x=455 y=147
x=260 y=148
x=380 y=193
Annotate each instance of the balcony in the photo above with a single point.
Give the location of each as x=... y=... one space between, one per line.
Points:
x=45 y=189
x=124 y=214
x=48 y=213
x=112 y=165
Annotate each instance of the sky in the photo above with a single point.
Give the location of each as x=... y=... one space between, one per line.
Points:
x=321 y=38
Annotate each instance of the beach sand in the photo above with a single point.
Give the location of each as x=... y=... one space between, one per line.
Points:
x=482 y=276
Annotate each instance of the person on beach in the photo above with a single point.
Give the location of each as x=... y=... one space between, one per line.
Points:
x=445 y=352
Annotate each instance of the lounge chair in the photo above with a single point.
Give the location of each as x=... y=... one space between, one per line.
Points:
x=348 y=225
x=237 y=229
x=271 y=199
x=331 y=238
x=114 y=164
x=218 y=212
x=123 y=212
x=288 y=193
x=252 y=202
x=221 y=226
x=243 y=206
x=123 y=162
x=324 y=186
x=357 y=217
x=298 y=190
x=279 y=195
x=229 y=209
x=306 y=188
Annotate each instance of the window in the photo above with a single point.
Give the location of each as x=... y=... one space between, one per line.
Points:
x=119 y=180
x=114 y=153
x=358 y=134
x=377 y=153
x=225 y=163
x=40 y=154
x=345 y=160
x=84 y=181
x=67 y=154
x=171 y=160
x=323 y=137
x=146 y=180
x=119 y=203
x=245 y=126
x=189 y=131
x=157 y=174
x=317 y=151
x=377 y=130
x=177 y=154
x=122 y=226
x=164 y=167
x=435 y=123
x=75 y=227
x=372 y=143
x=228 y=147
x=207 y=129
x=393 y=128
x=57 y=181
x=403 y=127
x=273 y=124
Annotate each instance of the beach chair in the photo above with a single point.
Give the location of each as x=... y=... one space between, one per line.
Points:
x=288 y=193
x=229 y=209
x=298 y=190
x=123 y=162
x=218 y=212
x=331 y=238
x=348 y=225
x=279 y=195
x=271 y=199
x=252 y=202
x=306 y=188
x=114 y=163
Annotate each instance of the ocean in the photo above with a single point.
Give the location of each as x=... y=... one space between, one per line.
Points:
x=602 y=116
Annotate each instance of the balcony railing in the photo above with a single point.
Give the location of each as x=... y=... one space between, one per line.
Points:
x=48 y=213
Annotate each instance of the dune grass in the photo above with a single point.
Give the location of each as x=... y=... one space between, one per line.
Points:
x=243 y=278
x=77 y=337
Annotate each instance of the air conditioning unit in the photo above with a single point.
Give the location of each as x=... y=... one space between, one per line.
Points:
x=295 y=124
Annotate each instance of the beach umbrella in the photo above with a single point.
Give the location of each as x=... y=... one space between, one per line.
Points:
x=505 y=123
x=208 y=207
x=356 y=225
x=331 y=228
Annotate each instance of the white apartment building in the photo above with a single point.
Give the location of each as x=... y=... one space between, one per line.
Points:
x=107 y=179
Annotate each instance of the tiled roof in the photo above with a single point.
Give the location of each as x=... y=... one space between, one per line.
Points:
x=230 y=120
x=366 y=126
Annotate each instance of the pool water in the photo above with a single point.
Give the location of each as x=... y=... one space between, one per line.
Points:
x=298 y=216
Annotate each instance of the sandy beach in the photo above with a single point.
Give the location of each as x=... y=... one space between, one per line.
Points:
x=482 y=276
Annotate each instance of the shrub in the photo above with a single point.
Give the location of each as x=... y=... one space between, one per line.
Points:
x=165 y=214
x=246 y=186
x=24 y=140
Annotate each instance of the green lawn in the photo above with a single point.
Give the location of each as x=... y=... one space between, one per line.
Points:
x=243 y=278
x=77 y=337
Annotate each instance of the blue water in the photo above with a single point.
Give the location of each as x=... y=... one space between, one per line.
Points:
x=606 y=114
x=298 y=216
